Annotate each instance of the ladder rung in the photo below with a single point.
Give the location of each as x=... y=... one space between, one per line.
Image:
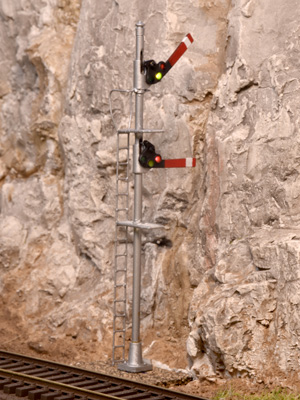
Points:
x=119 y=301
x=121 y=255
x=139 y=224
x=119 y=345
x=119 y=330
x=122 y=194
x=122 y=209
x=120 y=316
x=123 y=179
x=121 y=270
x=123 y=148
x=120 y=285
x=123 y=163
x=140 y=130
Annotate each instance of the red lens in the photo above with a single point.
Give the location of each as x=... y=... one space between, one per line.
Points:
x=158 y=159
x=162 y=65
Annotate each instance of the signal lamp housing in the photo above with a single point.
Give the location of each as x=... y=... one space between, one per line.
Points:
x=148 y=157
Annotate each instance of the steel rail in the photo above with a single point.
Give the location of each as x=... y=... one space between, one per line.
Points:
x=150 y=392
x=63 y=387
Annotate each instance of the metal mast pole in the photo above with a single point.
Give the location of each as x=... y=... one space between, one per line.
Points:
x=135 y=361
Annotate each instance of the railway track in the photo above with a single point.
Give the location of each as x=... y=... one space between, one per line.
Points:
x=36 y=379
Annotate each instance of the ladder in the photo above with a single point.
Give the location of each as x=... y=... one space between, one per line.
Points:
x=121 y=247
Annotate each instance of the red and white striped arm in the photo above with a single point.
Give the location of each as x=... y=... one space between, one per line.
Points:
x=177 y=163
x=181 y=49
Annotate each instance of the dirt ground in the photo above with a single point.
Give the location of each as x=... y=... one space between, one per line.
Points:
x=91 y=356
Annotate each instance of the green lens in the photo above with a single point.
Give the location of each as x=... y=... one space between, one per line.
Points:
x=158 y=76
x=151 y=163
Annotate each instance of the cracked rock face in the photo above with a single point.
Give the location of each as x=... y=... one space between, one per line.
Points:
x=224 y=274
x=244 y=314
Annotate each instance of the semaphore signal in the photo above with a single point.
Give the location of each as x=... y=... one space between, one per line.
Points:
x=156 y=71
x=150 y=159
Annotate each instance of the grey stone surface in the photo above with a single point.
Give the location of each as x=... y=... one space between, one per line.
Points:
x=227 y=267
x=244 y=314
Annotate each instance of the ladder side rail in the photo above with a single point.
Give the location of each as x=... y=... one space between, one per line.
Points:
x=115 y=251
x=120 y=274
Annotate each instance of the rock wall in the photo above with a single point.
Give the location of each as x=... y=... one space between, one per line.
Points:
x=46 y=290
x=244 y=314
x=224 y=275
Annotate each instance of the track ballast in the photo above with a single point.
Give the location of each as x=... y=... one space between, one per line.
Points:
x=36 y=379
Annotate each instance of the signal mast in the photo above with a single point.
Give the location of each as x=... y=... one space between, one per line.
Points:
x=146 y=73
